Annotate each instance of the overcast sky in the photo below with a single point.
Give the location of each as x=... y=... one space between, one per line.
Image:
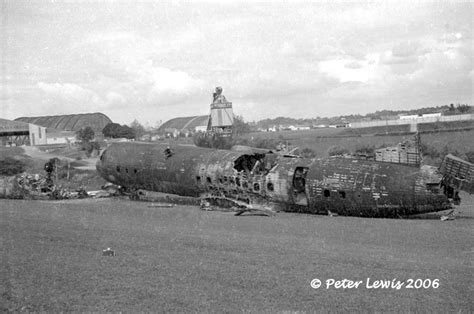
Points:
x=158 y=60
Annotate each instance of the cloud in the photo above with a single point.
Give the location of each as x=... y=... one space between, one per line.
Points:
x=159 y=60
x=353 y=65
x=405 y=49
x=347 y=70
x=388 y=57
x=115 y=99
x=70 y=93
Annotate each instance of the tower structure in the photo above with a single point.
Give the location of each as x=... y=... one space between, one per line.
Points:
x=221 y=117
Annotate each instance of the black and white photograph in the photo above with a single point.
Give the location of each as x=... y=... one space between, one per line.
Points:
x=236 y=156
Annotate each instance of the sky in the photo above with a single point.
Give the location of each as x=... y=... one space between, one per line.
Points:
x=153 y=61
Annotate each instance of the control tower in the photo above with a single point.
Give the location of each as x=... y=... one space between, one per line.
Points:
x=221 y=117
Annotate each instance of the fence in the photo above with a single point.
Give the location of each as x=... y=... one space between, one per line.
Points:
x=368 y=124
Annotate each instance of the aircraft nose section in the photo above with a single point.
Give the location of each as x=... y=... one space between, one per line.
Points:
x=99 y=166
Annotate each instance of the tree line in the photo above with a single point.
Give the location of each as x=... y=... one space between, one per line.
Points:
x=451 y=109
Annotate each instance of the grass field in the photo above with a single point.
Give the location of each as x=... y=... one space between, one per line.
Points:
x=322 y=140
x=185 y=259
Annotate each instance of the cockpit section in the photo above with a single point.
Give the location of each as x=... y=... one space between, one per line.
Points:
x=255 y=164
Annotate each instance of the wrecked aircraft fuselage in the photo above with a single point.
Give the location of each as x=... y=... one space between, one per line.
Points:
x=349 y=187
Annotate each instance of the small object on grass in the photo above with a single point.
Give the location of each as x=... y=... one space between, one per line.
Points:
x=449 y=216
x=446 y=218
x=163 y=205
x=108 y=252
x=205 y=205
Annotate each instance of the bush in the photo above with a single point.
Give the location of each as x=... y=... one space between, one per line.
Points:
x=337 y=151
x=430 y=151
x=470 y=156
x=307 y=153
x=365 y=149
x=203 y=140
x=89 y=147
x=11 y=166
x=267 y=143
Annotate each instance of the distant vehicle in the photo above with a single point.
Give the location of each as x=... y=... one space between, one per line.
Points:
x=275 y=182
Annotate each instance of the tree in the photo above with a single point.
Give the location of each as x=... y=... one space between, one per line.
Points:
x=115 y=130
x=126 y=132
x=85 y=135
x=240 y=126
x=463 y=108
x=137 y=128
x=111 y=130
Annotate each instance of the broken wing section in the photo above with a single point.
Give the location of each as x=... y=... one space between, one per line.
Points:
x=458 y=174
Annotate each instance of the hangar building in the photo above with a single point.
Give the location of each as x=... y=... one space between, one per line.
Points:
x=17 y=133
x=185 y=125
x=72 y=122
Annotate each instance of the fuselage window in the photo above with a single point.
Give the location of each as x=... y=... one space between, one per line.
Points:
x=135 y=170
x=237 y=181
x=209 y=180
x=118 y=168
x=256 y=187
x=126 y=170
x=270 y=186
x=245 y=185
x=343 y=194
x=327 y=193
x=198 y=179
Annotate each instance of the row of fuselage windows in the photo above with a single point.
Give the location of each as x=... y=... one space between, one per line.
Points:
x=126 y=170
x=342 y=194
x=245 y=185
x=256 y=186
x=237 y=182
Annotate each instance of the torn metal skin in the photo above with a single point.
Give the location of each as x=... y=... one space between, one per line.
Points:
x=273 y=182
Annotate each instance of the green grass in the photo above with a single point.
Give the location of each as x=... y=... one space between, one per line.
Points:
x=183 y=259
x=11 y=152
x=460 y=141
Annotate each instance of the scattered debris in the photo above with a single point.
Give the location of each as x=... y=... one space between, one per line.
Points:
x=205 y=205
x=41 y=187
x=111 y=189
x=168 y=152
x=448 y=216
x=162 y=205
x=108 y=252
x=151 y=196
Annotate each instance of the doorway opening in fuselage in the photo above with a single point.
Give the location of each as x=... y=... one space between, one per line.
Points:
x=299 y=186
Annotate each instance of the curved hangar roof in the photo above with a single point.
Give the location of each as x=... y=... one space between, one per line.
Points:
x=72 y=122
x=189 y=123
